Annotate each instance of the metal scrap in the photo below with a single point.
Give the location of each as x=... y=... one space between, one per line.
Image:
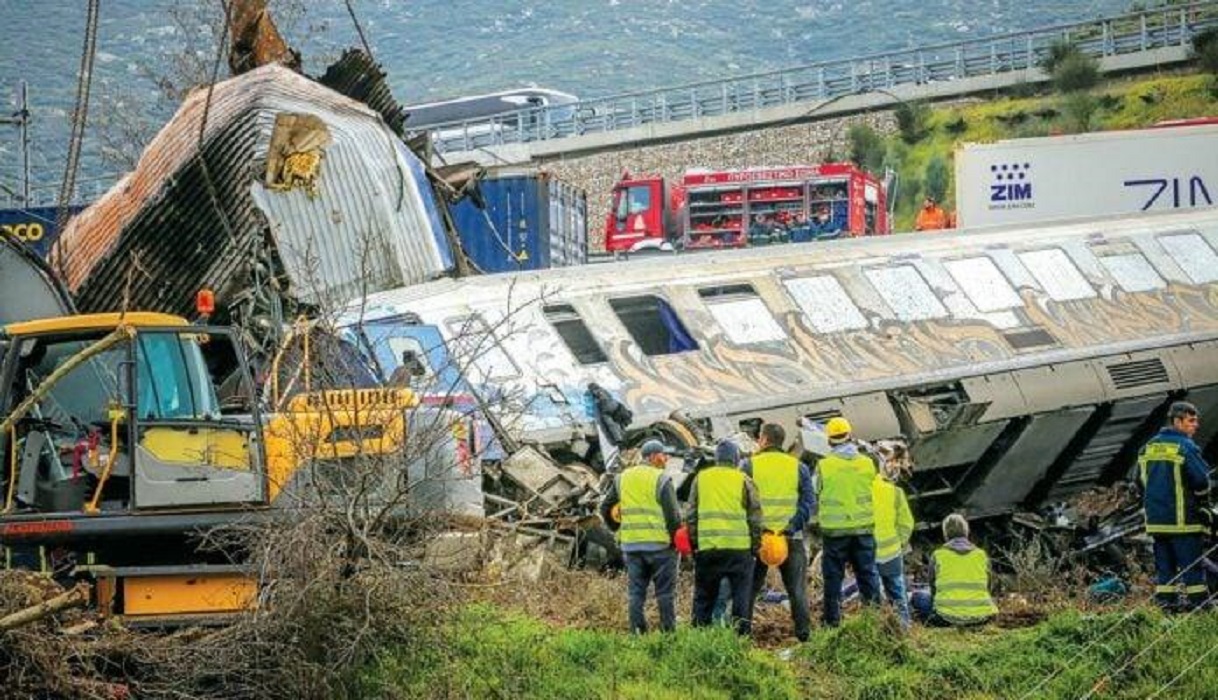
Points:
x=357 y=76
x=295 y=154
x=544 y=481
x=357 y=234
x=256 y=40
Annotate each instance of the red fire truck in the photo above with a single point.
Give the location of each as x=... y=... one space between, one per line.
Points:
x=736 y=208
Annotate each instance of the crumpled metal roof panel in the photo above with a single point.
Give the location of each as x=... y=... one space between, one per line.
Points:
x=184 y=219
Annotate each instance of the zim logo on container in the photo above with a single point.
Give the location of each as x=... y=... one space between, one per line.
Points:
x=1011 y=187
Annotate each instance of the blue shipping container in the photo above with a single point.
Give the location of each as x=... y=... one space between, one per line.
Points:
x=531 y=222
x=34 y=227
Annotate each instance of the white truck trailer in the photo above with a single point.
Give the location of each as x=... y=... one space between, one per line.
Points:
x=1023 y=181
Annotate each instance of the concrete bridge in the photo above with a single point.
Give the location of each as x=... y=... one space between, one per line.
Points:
x=1130 y=42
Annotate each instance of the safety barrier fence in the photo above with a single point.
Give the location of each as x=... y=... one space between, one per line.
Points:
x=1124 y=34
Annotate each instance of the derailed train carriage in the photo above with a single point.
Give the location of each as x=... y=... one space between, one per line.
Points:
x=1021 y=365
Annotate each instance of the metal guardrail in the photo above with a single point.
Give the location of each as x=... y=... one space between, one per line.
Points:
x=89 y=190
x=1120 y=34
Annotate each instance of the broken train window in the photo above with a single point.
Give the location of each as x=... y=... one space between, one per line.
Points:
x=1057 y=274
x=1193 y=255
x=477 y=350
x=653 y=324
x=574 y=333
x=1133 y=272
x=906 y=293
x=742 y=314
x=825 y=304
x=983 y=283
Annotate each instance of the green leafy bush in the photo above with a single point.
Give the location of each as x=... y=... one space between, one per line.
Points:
x=912 y=121
x=1205 y=50
x=1076 y=72
x=867 y=147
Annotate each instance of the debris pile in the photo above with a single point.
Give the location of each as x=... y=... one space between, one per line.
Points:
x=49 y=646
x=281 y=195
x=532 y=496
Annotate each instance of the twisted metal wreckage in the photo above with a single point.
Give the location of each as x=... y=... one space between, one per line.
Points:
x=1019 y=367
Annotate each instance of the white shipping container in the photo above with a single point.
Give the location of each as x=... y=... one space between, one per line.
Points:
x=1024 y=181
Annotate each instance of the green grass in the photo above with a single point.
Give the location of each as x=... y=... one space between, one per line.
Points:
x=486 y=652
x=1122 y=105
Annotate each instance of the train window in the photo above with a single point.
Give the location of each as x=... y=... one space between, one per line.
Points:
x=653 y=324
x=742 y=314
x=825 y=304
x=1133 y=272
x=906 y=293
x=574 y=333
x=1193 y=255
x=984 y=284
x=1057 y=275
x=476 y=351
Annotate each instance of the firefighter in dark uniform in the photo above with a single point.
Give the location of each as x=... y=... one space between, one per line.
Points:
x=1175 y=483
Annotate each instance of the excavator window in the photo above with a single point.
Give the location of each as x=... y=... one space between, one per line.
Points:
x=174 y=383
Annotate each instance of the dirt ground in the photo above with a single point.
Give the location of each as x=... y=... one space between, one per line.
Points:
x=595 y=600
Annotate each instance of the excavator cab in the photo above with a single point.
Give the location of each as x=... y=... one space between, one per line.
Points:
x=118 y=415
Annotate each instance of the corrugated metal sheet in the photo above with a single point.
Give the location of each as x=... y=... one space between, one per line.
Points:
x=531 y=222
x=357 y=76
x=194 y=219
x=568 y=224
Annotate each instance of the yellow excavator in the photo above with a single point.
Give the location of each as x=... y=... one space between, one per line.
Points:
x=124 y=437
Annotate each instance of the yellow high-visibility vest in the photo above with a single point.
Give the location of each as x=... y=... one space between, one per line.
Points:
x=776 y=475
x=722 y=518
x=893 y=520
x=642 y=514
x=845 y=495
x=962 y=586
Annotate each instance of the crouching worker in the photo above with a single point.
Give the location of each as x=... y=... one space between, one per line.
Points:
x=724 y=521
x=960 y=584
x=645 y=502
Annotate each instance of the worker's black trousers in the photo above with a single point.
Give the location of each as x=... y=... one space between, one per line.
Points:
x=714 y=566
x=859 y=552
x=642 y=570
x=795 y=580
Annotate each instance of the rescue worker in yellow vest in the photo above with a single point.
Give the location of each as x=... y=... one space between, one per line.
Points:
x=847 y=519
x=650 y=516
x=960 y=581
x=724 y=521
x=1175 y=484
x=784 y=487
x=894 y=526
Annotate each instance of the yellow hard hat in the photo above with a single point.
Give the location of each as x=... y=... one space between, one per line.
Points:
x=615 y=513
x=837 y=427
x=773 y=548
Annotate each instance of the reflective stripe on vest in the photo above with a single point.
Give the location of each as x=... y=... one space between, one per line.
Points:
x=884 y=498
x=962 y=593
x=776 y=475
x=722 y=519
x=642 y=514
x=1164 y=455
x=845 y=495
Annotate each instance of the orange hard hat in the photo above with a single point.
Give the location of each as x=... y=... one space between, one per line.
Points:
x=773 y=548
x=682 y=542
x=615 y=513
